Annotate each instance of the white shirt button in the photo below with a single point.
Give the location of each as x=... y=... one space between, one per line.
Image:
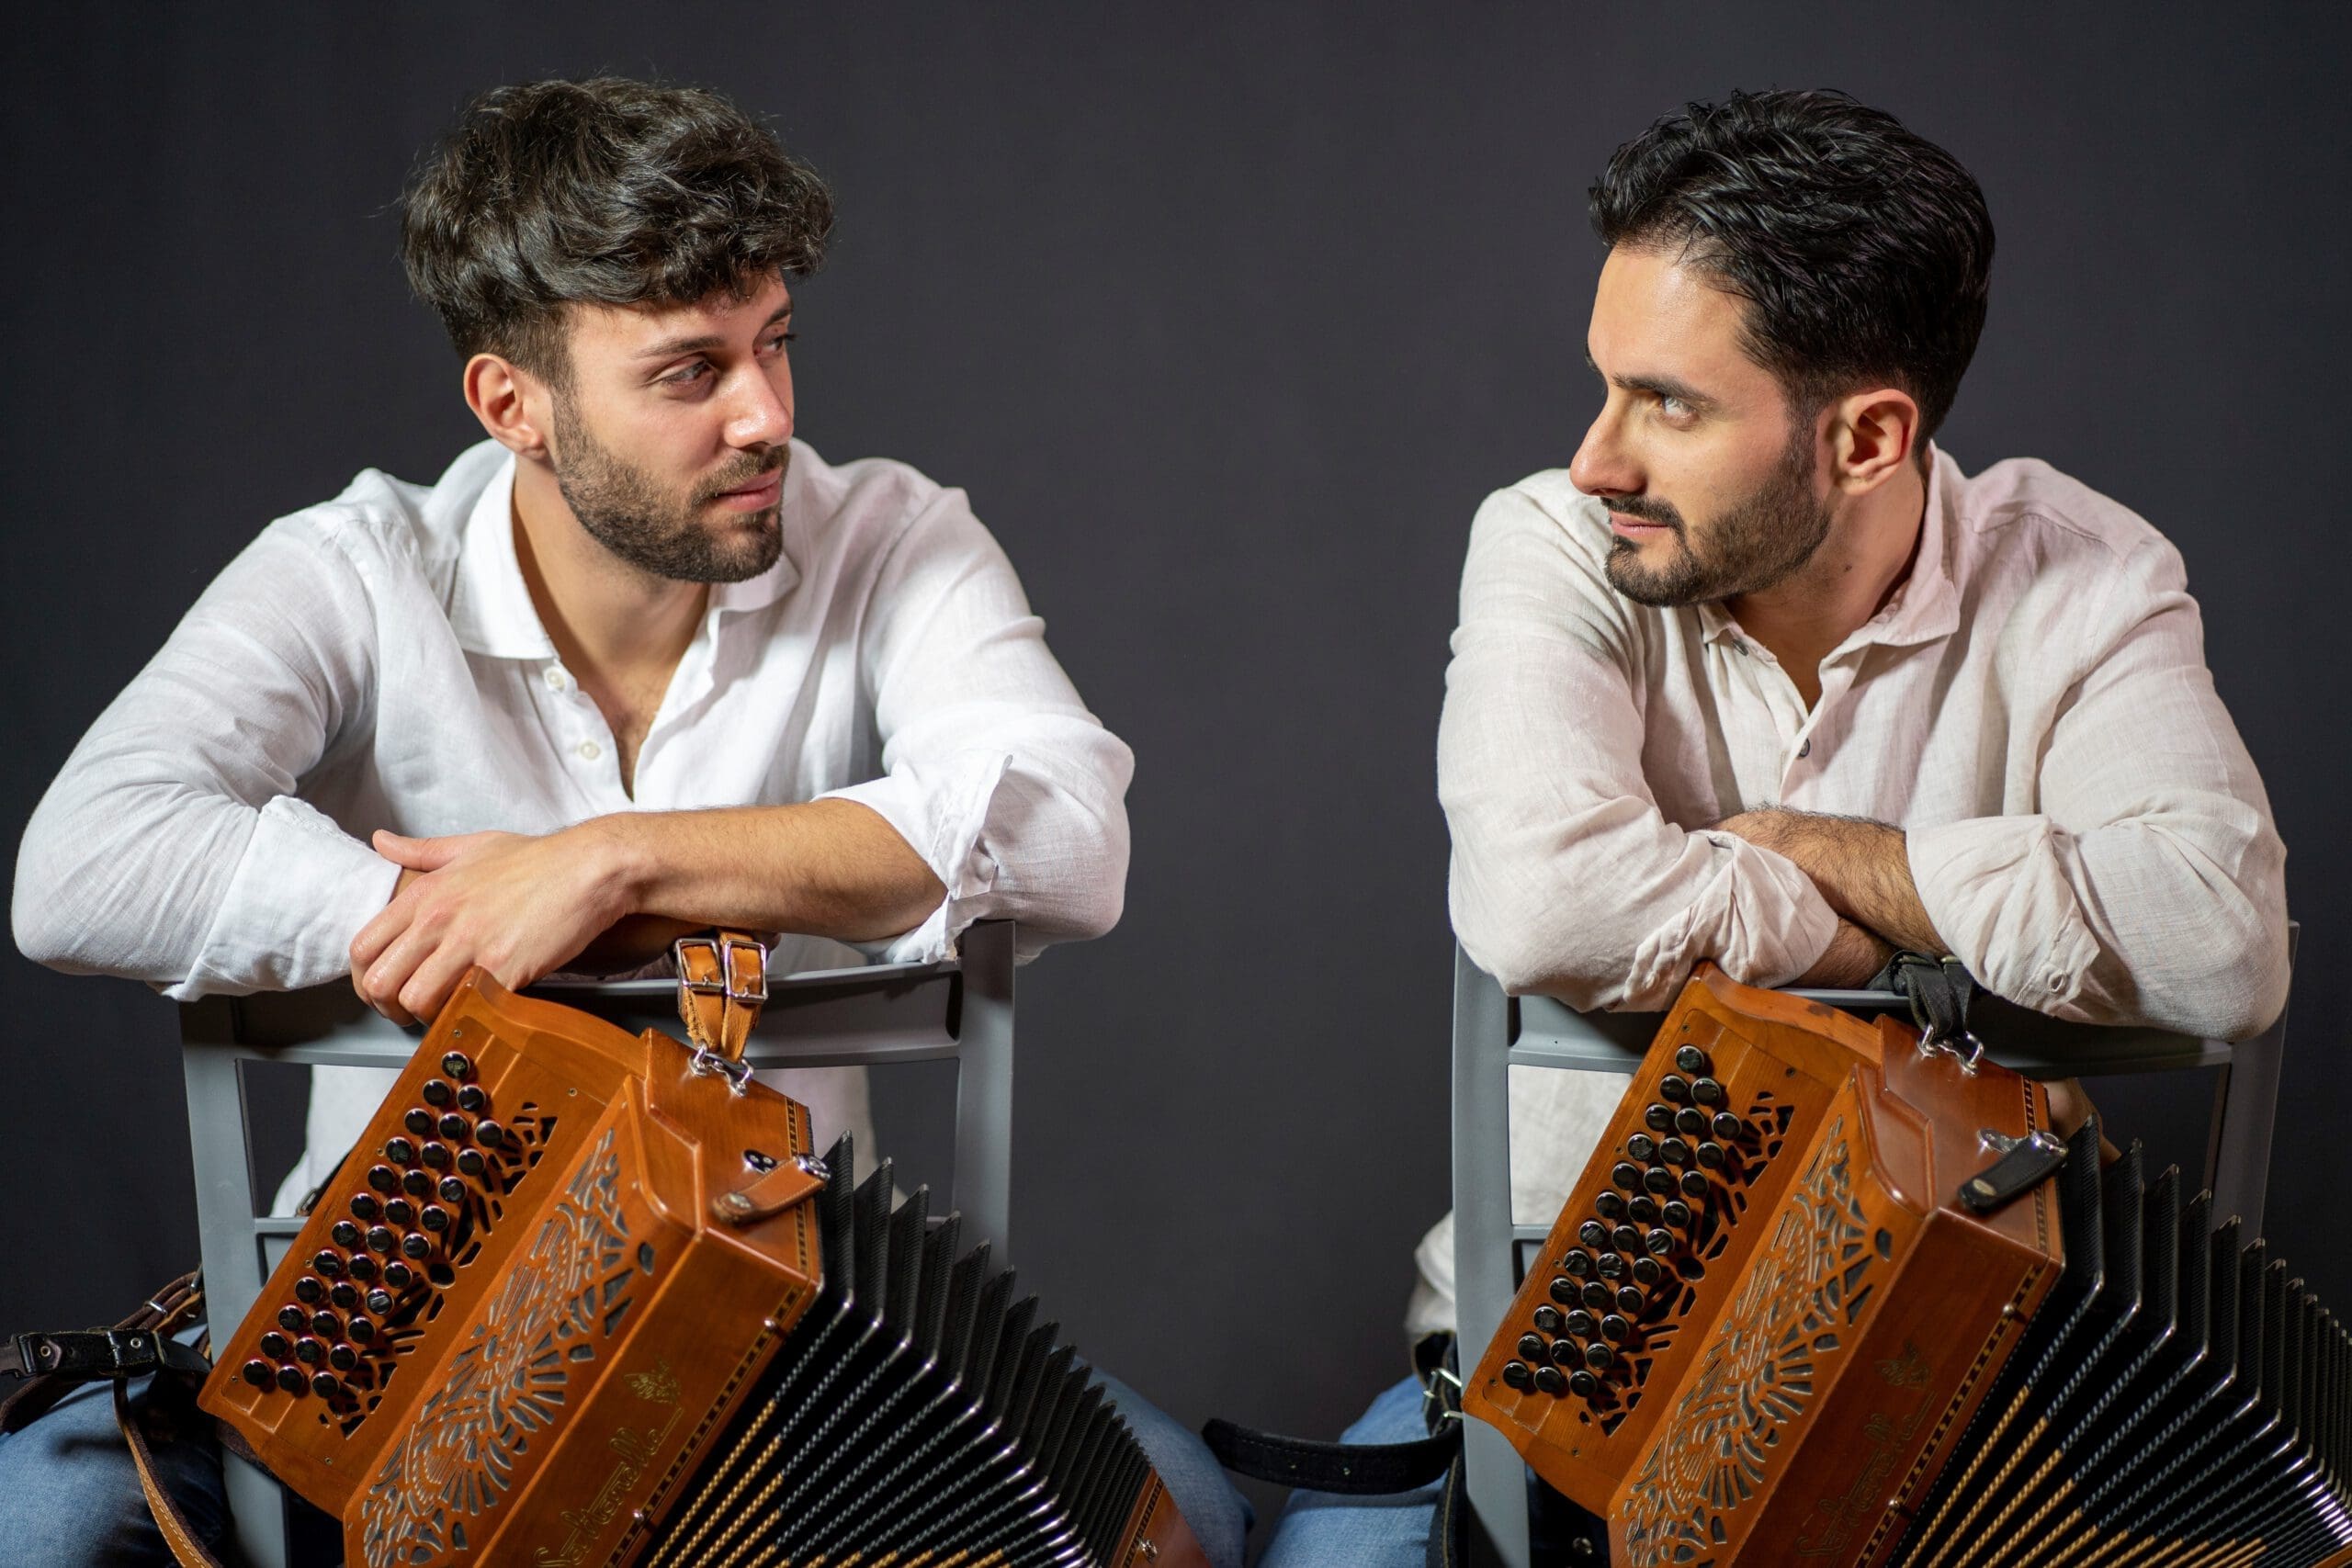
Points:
x=590 y=750
x=2055 y=982
x=1805 y=750
x=556 y=679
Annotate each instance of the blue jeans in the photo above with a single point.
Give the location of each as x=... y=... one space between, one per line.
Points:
x=70 y=1496
x=1321 y=1530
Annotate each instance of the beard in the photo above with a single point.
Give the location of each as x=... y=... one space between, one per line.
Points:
x=624 y=509
x=1758 y=542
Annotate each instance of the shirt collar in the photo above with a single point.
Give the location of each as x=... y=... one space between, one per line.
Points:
x=490 y=606
x=1927 y=606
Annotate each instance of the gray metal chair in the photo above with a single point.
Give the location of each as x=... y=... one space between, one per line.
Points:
x=1493 y=1032
x=881 y=1014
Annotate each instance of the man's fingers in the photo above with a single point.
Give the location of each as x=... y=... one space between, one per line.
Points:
x=419 y=855
x=426 y=991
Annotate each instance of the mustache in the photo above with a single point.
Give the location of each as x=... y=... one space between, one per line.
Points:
x=1642 y=509
x=750 y=467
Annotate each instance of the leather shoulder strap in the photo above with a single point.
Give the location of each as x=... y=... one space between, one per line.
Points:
x=722 y=984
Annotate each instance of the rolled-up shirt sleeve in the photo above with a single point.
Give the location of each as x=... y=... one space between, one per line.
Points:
x=1567 y=878
x=2150 y=888
x=171 y=848
x=994 y=771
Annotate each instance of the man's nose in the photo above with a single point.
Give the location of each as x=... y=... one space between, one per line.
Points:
x=1601 y=466
x=761 y=414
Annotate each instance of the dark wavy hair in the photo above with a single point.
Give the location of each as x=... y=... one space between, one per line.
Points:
x=609 y=192
x=1863 y=251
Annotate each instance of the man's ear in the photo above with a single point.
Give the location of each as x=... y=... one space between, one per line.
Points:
x=513 y=404
x=1871 y=435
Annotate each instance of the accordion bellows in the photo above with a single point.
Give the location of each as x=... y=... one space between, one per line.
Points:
x=1767 y=1329
x=571 y=1301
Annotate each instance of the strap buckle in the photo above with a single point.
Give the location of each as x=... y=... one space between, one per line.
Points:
x=728 y=980
x=91 y=1353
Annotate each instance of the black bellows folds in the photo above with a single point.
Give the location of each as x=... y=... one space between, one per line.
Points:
x=2176 y=1400
x=916 y=1412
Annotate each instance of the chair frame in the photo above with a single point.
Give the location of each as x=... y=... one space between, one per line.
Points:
x=956 y=1010
x=1493 y=1032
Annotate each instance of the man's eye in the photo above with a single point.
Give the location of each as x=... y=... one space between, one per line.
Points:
x=777 y=341
x=1672 y=406
x=687 y=376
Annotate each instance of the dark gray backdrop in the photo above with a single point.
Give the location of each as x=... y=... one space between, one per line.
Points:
x=1227 y=317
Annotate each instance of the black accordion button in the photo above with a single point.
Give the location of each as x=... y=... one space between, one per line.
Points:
x=291 y=1380
x=1611 y=1265
x=1592 y=1233
x=435 y=1218
x=309 y=1351
x=1676 y=1088
x=1694 y=1184
x=326 y=1325
x=1609 y=1205
x=1726 y=1128
x=378 y=1301
x=326 y=1385
x=490 y=1135
x=471 y=1163
x=276 y=1346
x=1677 y=1214
x=437 y=1093
x=366 y=1205
x=363 y=1267
x=1516 y=1374
x=435 y=1156
x=1657 y=1243
x=1642 y=1211
x=1674 y=1151
x=381 y=1239
x=1551 y=1380
x=473 y=1098
x=456 y=1128
x=1566 y=1351
x=261 y=1374
x=1628 y=1176
x=360 y=1330
x=416 y=1183
x=451 y=1191
x=1659 y=1118
x=1648 y=1270
x=1548 y=1319
x=1658 y=1180
x=1599 y=1357
x=1565 y=1289
x=1707 y=1092
x=1580 y=1324
x=343 y=1357
x=1630 y=1301
x=399 y=1151
x=1641 y=1147
x=1692 y=1060
x=416 y=1247
x=420 y=1121
x=1583 y=1384
x=293 y=1319
x=383 y=1179
x=345 y=1295
x=310 y=1291
x=1597 y=1296
x=1690 y=1122
x=458 y=1066
x=399 y=1213
x=1710 y=1155
x=1614 y=1329
x=329 y=1265
x=1577 y=1264
x=399 y=1275
x=1533 y=1347
x=1624 y=1238
x=345 y=1234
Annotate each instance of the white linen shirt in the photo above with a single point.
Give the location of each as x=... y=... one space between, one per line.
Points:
x=377 y=663
x=2032 y=707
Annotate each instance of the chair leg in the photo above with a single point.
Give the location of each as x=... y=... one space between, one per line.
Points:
x=984 y=1089
x=1484 y=1257
x=2245 y=1111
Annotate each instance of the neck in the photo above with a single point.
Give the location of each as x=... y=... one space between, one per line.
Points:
x=1865 y=557
x=609 y=620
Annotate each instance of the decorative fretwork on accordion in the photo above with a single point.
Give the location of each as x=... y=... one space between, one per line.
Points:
x=1770 y=1327
x=571 y=1302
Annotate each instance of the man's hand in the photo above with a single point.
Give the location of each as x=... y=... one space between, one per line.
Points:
x=1861 y=868
x=516 y=904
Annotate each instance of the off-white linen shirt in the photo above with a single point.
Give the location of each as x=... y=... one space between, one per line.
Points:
x=2032 y=707
x=377 y=663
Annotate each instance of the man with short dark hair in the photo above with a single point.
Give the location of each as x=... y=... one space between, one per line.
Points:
x=641 y=663
x=1763 y=678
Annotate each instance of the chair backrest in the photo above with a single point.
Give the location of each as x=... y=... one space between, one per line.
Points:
x=1493 y=1032
x=959 y=1011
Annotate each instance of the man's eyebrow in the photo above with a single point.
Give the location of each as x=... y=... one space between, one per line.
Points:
x=671 y=347
x=1663 y=386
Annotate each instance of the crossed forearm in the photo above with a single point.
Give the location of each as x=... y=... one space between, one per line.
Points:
x=1861 y=868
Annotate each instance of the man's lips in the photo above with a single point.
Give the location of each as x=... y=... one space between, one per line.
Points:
x=762 y=492
x=1626 y=527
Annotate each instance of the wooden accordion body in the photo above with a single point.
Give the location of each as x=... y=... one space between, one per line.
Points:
x=1821 y=1354
x=568 y=1302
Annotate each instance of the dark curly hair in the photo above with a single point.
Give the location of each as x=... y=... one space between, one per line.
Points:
x=1864 y=252
x=609 y=192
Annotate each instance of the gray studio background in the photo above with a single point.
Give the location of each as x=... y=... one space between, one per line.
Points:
x=1227 y=317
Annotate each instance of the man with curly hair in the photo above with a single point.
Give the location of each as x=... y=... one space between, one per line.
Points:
x=638 y=663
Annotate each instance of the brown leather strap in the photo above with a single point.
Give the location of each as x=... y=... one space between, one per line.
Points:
x=50 y=1377
x=179 y=1534
x=722 y=983
x=774 y=1191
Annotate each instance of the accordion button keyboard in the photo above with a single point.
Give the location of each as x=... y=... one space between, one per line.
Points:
x=1727 y=1128
x=1568 y=1352
x=1614 y=1329
x=1694 y=1060
x=381 y=1239
x=1626 y=1176
x=1517 y=1375
x=1631 y=1299
x=1676 y=1212
x=1611 y=1206
x=1674 y=1151
x=363 y=1267
x=1659 y=1179
x=329 y=1265
x=1626 y=1239
x=1551 y=1380
x=458 y=1066
x=490 y=1135
x=1694 y=1184
x=416 y=1183
x=1657 y=1243
x=399 y=1275
x=346 y=1234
